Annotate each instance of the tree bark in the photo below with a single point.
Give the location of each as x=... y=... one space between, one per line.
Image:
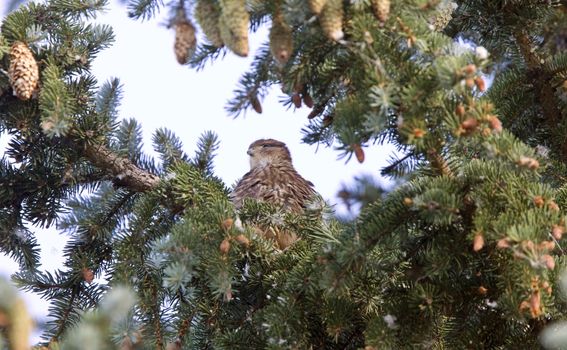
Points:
x=126 y=173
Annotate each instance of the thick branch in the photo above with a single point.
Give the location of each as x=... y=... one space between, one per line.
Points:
x=533 y=60
x=123 y=169
x=542 y=84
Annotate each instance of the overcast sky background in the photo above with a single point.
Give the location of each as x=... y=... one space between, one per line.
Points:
x=158 y=92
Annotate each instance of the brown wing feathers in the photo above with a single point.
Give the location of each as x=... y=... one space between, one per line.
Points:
x=272 y=177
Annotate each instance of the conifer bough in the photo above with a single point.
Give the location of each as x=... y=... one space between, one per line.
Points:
x=466 y=251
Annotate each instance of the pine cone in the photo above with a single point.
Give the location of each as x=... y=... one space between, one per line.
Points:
x=381 y=9
x=23 y=71
x=185 y=40
x=307 y=100
x=358 y=152
x=207 y=14
x=255 y=102
x=224 y=247
x=233 y=24
x=444 y=16
x=88 y=275
x=317 y=5
x=296 y=99
x=331 y=19
x=281 y=40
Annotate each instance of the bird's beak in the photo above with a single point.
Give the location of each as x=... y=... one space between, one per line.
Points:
x=249 y=152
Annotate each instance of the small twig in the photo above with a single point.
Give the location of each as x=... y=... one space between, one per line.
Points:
x=185 y=325
x=116 y=208
x=157 y=323
x=439 y=163
x=389 y=168
x=63 y=320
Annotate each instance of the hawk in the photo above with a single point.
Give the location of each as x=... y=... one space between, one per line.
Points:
x=273 y=179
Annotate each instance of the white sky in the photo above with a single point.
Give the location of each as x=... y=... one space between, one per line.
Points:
x=158 y=92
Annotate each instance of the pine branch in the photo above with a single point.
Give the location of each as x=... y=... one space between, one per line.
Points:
x=115 y=210
x=126 y=173
x=62 y=322
x=207 y=146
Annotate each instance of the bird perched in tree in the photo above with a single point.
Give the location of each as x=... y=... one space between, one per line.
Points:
x=273 y=179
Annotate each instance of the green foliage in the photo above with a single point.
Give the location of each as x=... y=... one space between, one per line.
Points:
x=363 y=192
x=253 y=85
x=143 y=9
x=95 y=325
x=55 y=102
x=207 y=146
x=462 y=253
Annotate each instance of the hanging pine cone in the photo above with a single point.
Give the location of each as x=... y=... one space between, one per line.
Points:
x=307 y=100
x=478 y=242
x=242 y=240
x=185 y=40
x=331 y=19
x=227 y=223
x=281 y=40
x=233 y=25
x=296 y=99
x=23 y=71
x=444 y=16
x=255 y=102
x=381 y=9
x=224 y=247
x=358 y=152
x=316 y=111
x=480 y=84
x=317 y=5
x=207 y=14
x=88 y=275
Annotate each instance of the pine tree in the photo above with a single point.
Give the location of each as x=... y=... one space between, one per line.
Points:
x=463 y=253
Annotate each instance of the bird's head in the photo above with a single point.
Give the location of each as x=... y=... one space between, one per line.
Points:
x=268 y=152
